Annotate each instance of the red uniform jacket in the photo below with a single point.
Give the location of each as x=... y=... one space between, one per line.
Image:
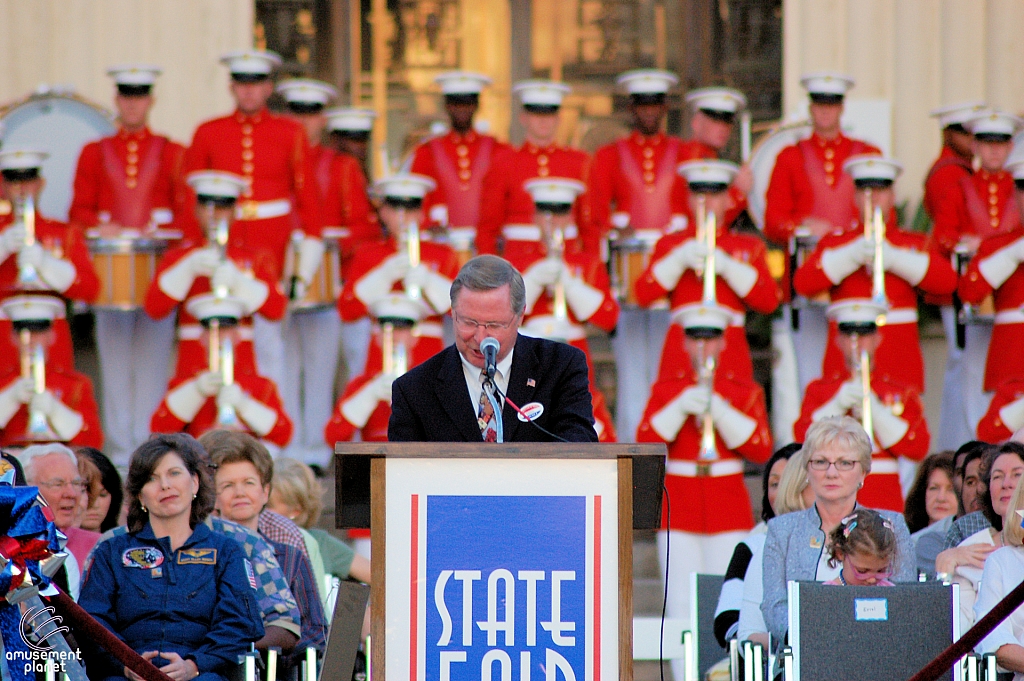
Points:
x=899 y=353
x=127 y=176
x=505 y=202
x=692 y=150
x=709 y=505
x=763 y=297
x=273 y=152
x=637 y=175
x=808 y=181
x=1005 y=361
x=943 y=198
x=459 y=163
x=74 y=390
x=991 y=427
x=346 y=206
x=881 y=488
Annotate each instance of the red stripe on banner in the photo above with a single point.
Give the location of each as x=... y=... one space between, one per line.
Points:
x=597 y=588
x=414 y=569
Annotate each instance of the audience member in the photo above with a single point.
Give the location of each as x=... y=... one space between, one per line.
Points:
x=931 y=507
x=864 y=544
x=104 y=510
x=966 y=479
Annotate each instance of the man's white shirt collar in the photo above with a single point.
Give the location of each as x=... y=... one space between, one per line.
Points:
x=473 y=373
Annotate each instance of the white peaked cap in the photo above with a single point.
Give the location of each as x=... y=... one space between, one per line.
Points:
x=254 y=62
x=954 y=114
x=993 y=122
x=462 y=82
x=22 y=159
x=647 y=81
x=554 y=189
x=306 y=91
x=1016 y=168
x=827 y=83
x=708 y=171
x=28 y=308
x=404 y=186
x=347 y=119
x=134 y=74
x=208 y=306
x=398 y=306
x=724 y=99
x=702 y=315
x=217 y=183
x=856 y=311
x=541 y=92
x=872 y=167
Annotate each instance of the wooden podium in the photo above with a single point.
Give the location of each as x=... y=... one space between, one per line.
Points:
x=508 y=561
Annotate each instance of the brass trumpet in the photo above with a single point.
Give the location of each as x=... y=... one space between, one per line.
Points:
x=707 y=232
x=554 y=241
x=218 y=231
x=410 y=235
x=396 y=355
x=25 y=211
x=863 y=370
x=874 y=232
x=222 y=361
x=33 y=366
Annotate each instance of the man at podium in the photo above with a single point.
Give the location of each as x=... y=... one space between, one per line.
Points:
x=540 y=386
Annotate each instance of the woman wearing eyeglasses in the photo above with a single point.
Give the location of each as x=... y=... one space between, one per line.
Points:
x=838 y=459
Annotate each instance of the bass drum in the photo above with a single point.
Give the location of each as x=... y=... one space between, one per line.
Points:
x=762 y=163
x=59 y=124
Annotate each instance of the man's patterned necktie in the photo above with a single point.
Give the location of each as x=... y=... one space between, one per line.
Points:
x=485 y=415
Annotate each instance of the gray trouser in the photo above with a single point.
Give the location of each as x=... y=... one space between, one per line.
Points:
x=637 y=346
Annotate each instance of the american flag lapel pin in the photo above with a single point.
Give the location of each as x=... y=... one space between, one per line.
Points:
x=530 y=383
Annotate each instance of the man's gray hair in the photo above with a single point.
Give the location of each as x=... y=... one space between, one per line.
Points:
x=488 y=272
x=30 y=454
x=842 y=432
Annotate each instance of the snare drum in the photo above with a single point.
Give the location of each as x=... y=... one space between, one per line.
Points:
x=802 y=246
x=125 y=267
x=325 y=289
x=628 y=260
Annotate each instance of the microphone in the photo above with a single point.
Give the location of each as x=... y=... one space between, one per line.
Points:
x=489 y=346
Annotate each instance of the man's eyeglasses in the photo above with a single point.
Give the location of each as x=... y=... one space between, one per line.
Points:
x=471 y=325
x=842 y=465
x=77 y=484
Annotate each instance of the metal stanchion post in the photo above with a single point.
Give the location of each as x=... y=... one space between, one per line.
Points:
x=734 y=660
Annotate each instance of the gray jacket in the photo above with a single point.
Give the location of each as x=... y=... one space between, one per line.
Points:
x=792 y=551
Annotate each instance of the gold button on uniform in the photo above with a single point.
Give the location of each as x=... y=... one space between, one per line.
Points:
x=247 y=168
x=542 y=160
x=649 y=177
x=648 y=152
x=462 y=150
x=247 y=155
x=246 y=129
x=131 y=183
x=246 y=142
x=131 y=171
x=463 y=162
x=992 y=187
x=543 y=172
x=830 y=153
x=648 y=164
x=133 y=146
x=132 y=158
x=464 y=175
x=829 y=166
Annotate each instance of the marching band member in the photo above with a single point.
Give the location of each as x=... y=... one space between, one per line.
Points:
x=348 y=132
x=843 y=265
x=711 y=423
x=943 y=197
x=996 y=271
x=126 y=185
x=633 y=183
x=808 y=196
x=565 y=287
x=401 y=262
x=459 y=160
x=989 y=209
x=506 y=210
x=742 y=278
x=54 y=258
x=313 y=336
x=272 y=153
x=896 y=414
x=40 y=400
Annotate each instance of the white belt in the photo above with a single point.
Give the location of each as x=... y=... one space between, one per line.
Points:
x=885 y=465
x=462 y=238
x=162 y=216
x=902 y=315
x=263 y=210
x=711 y=469
x=1014 y=316
x=533 y=232
x=735 y=319
x=337 y=232
x=648 y=236
x=551 y=327
x=193 y=332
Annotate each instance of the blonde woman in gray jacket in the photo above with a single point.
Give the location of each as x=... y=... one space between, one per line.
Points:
x=838 y=456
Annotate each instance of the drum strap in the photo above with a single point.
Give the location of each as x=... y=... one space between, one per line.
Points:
x=977 y=210
x=650 y=205
x=462 y=198
x=132 y=206
x=833 y=203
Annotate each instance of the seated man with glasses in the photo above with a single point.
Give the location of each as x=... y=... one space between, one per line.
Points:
x=447 y=399
x=53 y=468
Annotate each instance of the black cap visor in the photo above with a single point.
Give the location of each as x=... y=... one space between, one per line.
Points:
x=463 y=98
x=250 y=77
x=872 y=183
x=406 y=202
x=33 y=325
x=642 y=98
x=222 y=322
x=857 y=328
x=541 y=108
x=305 y=108
x=708 y=187
x=354 y=135
x=553 y=208
x=397 y=322
x=19 y=174
x=721 y=116
x=1019 y=184
x=704 y=332
x=992 y=137
x=127 y=90
x=826 y=98
x=957 y=127
x=218 y=201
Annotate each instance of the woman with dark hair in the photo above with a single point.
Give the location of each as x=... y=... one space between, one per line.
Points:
x=930 y=508
x=105 y=498
x=727 y=614
x=177 y=593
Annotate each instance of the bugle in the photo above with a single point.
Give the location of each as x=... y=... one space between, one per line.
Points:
x=28 y=277
x=554 y=240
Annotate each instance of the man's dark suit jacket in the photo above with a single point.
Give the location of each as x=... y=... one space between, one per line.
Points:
x=431 y=403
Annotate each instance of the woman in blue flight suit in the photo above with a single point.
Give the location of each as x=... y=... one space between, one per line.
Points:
x=178 y=594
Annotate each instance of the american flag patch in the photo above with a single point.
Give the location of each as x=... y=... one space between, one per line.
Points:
x=249 y=573
x=530 y=383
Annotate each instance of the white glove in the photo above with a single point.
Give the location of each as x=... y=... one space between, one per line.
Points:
x=740 y=276
x=668 y=420
x=850 y=395
x=16 y=393
x=905 y=263
x=249 y=289
x=688 y=255
x=176 y=280
x=31 y=256
x=840 y=262
x=1012 y=415
x=66 y=422
x=731 y=424
x=377 y=283
x=259 y=417
x=361 y=404
x=225 y=274
x=889 y=428
x=583 y=299
x=12 y=239
x=311 y=257
x=538 y=276
x=416 y=277
x=437 y=290
x=209 y=383
x=187 y=399
x=997 y=267
x=203 y=262
x=58 y=273
x=439 y=214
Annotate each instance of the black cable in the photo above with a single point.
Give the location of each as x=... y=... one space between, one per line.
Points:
x=664 y=598
x=524 y=415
